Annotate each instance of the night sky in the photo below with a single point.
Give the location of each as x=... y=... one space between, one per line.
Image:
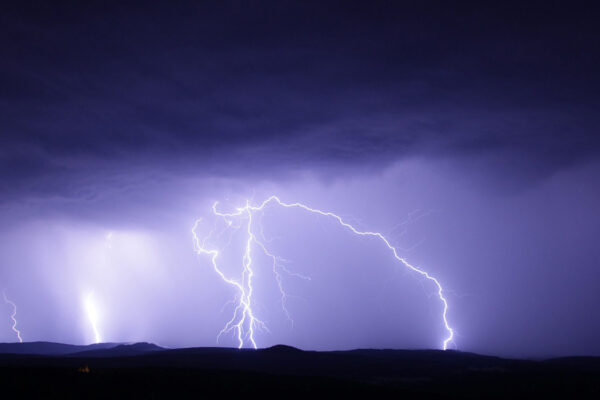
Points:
x=467 y=134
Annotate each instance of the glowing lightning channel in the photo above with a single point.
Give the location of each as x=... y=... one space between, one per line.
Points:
x=13 y=316
x=244 y=321
x=92 y=314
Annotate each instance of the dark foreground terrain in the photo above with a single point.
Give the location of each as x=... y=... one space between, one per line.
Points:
x=53 y=370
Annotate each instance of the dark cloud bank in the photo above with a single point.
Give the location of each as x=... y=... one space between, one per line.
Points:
x=219 y=86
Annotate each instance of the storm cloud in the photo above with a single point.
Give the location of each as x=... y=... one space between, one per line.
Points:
x=214 y=87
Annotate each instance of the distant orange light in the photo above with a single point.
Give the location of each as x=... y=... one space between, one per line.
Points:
x=85 y=369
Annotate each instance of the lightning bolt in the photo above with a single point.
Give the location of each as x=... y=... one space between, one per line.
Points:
x=244 y=322
x=13 y=316
x=92 y=313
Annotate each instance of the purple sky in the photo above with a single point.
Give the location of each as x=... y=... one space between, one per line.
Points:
x=467 y=135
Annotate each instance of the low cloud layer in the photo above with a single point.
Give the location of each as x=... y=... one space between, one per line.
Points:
x=212 y=89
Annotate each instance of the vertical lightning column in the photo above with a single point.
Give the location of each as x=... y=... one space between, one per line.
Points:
x=243 y=322
x=92 y=314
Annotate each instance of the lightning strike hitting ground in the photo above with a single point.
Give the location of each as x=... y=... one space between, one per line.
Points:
x=92 y=314
x=244 y=322
x=13 y=316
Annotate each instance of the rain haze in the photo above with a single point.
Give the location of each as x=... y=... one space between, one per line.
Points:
x=467 y=135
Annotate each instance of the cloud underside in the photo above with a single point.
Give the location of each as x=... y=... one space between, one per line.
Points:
x=210 y=90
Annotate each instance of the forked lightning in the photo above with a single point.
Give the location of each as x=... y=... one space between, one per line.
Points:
x=244 y=322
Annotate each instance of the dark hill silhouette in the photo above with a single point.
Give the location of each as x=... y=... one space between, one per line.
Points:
x=120 y=350
x=50 y=348
x=146 y=370
x=281 y=349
